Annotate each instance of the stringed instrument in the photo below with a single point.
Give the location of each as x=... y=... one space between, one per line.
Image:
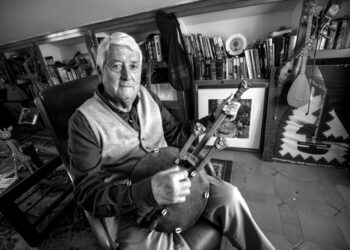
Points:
x=181 y=216
x=299 y=92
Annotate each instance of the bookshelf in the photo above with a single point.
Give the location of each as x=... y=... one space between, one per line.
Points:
x=68 y=56
x=254 y=19
x=329 y=54
x=335 y=49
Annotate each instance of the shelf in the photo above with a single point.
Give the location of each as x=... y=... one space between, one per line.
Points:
x=226 y=83
x=24 y=77
x=329 y=53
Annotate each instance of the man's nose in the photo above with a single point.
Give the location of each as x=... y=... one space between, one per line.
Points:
x=126 y=73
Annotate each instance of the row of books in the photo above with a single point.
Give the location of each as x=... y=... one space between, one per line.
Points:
x=151 y=48
x=337 y=36
x=16 y=64
x=66 y=73
x=211 y=61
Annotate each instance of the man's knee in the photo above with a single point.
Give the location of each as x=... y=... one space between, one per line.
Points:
x=232 y=195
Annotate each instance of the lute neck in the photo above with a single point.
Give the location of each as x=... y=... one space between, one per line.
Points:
x=307 y=45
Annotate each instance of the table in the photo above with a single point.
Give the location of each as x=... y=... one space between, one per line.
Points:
x=29 y=192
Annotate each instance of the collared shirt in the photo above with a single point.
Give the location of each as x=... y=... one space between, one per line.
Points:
x=91 y=191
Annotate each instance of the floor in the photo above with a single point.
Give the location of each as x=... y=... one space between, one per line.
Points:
x=298 y=207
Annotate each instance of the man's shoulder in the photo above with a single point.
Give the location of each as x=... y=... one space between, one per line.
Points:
x=77 y=118
x=154 y=96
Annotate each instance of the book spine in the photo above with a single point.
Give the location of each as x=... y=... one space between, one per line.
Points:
x=249 y=64
x=347 y=36
x=257 y=63
x=243 y=66
x=158 y=48
x=220 y=69
x=213 y=69
x=252 y=58
x=230 y=71
x=238 y=66
x=332 y=33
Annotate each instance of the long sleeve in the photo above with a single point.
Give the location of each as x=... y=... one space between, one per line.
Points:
x=92 y=192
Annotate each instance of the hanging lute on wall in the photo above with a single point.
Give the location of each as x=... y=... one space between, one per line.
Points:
x=299 y=92
x=181 y=216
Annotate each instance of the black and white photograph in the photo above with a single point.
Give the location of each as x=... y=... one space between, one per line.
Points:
x=245 y=131
x=175 y=125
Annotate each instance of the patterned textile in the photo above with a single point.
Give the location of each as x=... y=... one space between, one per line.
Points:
x=313 y=133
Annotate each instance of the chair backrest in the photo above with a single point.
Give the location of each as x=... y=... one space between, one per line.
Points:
x=57 y=104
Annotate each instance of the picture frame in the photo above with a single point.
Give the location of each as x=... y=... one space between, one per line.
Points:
x=28 y=116
x=246 y=131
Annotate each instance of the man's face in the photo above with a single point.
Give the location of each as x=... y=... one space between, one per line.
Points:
x=121 y=74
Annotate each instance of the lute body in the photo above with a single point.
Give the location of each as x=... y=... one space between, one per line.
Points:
x=300 y=92
x=180 y=216
x=293 y=71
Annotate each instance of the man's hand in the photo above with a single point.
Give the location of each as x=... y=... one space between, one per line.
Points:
x=171 y=186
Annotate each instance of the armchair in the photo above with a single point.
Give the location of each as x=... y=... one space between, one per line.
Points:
x=56 y=105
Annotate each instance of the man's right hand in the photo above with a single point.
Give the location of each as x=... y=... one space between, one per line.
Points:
x=171 y=186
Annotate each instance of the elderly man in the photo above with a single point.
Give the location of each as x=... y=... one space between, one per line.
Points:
x=113 y=130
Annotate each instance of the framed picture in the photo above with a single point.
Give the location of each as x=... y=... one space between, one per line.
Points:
x=28 y=116
x=246 y=130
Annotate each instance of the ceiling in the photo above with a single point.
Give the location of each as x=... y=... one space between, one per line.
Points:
x=21 y=19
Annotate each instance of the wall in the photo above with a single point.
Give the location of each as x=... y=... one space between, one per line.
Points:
x=21 y=19
x=252 y=21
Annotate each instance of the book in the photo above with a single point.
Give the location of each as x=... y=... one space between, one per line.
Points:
x=252 y=58
x=158 y=48
x=243 y=67
x=238 y=67
x=263 y=61
x=220 y=72
x=270 y=53
x=213 y=69
x=62 y=73
x=333 y=28
x=257 y=63
x=249 y=64
x=346 y=37
x=279 y=42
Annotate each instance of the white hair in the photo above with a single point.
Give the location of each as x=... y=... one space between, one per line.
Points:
x=117 y=38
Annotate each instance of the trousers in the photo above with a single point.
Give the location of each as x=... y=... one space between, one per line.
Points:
x=226 y=208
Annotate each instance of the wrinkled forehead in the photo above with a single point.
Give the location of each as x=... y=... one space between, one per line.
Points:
x=122 y=52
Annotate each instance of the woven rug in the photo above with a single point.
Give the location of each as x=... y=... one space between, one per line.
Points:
x=74 y=232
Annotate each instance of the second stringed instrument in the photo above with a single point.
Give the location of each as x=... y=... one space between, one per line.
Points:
x=181 y=216
x=299 y=92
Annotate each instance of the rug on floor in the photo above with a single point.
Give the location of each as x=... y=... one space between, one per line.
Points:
x=74 y=232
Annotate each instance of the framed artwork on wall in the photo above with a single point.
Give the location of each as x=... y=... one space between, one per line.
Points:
x=246 y=131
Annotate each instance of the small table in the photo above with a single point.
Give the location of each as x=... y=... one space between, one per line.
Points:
x=29 y=192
